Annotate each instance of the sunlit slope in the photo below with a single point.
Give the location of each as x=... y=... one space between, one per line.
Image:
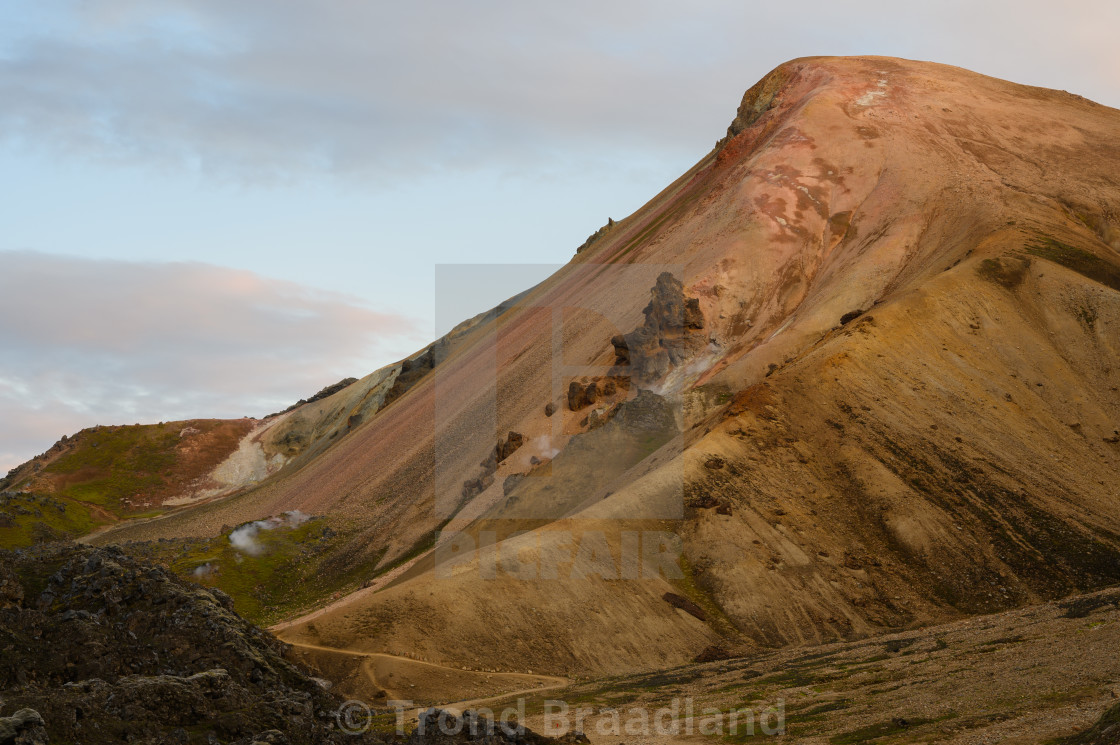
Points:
x=900 y=406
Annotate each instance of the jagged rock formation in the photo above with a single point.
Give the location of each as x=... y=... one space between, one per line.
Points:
x=591 y=239
x=329 y=390
x=108 y=649
x=508 y=446
x=667 y=338
x=584 y=394
x=412 y=370
x=505 y=447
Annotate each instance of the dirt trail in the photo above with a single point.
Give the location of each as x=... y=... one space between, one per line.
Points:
x=379 y=668
x=373 y=587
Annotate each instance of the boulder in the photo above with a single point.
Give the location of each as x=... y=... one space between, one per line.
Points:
x=689 y=607
x=509 y=445
x=25 y=727
x=581 y=396
x=575 y=395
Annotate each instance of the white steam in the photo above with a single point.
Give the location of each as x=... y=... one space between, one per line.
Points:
x=244 y=538
x=543 y=447
x=204 y=570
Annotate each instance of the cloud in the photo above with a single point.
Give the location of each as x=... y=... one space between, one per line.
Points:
x=260 y=89
x=112 y=342
x=264 y=89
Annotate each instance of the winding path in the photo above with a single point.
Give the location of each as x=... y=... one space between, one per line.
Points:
x=545 y=682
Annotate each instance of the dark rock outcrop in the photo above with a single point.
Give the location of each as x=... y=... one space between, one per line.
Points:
x=110 y=649
x=11 y=591
x=668 y=337
x=580 y=395
x=591 y=239
x=598 y=417
x=329 y=390
x=759 y=99
x=25 y=727
x=475 y=486
x=412 y=371
x=713 y=653
x=506 y=447
x=689 y=607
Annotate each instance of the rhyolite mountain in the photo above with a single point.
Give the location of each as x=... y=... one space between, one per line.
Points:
x=863 y=359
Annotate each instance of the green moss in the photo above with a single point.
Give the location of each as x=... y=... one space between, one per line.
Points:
x=1076 y=259
x=691 y=589
x=1006 y=272
x=287 y=576
x=113 y=464
x=673 y=210
x=797 y=677
x=26 y=519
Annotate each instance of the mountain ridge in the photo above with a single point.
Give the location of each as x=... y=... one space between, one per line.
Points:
x=906 y=273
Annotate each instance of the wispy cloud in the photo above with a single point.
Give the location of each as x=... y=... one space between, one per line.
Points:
x=108 y=342
x=262 y=89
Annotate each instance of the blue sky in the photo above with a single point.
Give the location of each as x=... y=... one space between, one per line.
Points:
x=284 y=160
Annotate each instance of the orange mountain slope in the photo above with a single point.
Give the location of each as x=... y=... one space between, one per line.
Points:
x=883 y=393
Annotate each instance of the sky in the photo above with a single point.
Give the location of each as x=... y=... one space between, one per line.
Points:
x=213 y=208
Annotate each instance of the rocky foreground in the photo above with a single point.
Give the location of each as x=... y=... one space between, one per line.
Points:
x=97 y=647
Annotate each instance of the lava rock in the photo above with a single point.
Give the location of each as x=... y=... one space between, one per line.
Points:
x=668 y=338
x=25 y=727
x=117 y=650
x=689 y=607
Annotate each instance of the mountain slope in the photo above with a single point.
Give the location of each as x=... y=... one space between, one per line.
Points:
x=892 y=375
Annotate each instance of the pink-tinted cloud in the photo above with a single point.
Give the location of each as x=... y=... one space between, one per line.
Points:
x=86 y=342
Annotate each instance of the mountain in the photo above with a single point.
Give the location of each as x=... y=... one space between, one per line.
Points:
x=855 y=371
x=900 y=406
